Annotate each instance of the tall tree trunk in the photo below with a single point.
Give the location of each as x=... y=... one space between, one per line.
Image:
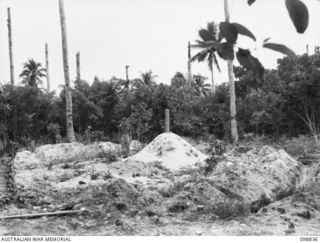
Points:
x=189 y=65
x=78 y=66
x=212 y=81
x=69 y=118
x=127 y=77
x=10 y=48
x=166 y=120
x=233 y=111
x=47 y=67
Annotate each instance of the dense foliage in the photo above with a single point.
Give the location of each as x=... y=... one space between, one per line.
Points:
x=285 y=102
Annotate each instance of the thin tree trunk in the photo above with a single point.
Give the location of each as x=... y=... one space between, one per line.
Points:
x=189 y=65
x=166 y=120
x=69 y=118
x=47 y=67
x=213 y=84
x=127 y=77
x=78 y=66
x=233 y=111
x=10 y=48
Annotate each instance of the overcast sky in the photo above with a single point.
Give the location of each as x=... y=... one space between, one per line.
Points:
x=145 y=34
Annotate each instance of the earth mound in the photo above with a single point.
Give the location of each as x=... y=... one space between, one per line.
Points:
x=171 y=151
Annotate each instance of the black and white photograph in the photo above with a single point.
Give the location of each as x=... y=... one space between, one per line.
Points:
x=159 y=118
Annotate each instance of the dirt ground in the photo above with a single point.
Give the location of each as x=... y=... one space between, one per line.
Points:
x=278 y=194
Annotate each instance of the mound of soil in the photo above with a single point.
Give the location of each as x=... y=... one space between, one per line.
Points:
x=172 y=151
x=67 y=167
x=243 y=183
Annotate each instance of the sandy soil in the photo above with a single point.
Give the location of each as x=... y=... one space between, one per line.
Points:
x=259 y=190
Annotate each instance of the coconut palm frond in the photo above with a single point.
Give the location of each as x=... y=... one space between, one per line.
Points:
x=205 y=35
x=200 y=56
x=215 y=59
x=213 y=29
x=32 y=73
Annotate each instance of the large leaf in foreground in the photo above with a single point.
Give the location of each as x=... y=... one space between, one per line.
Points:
x=299 y=14
x=250 y=63
x=244 y=31
x=205 y=35
x=280 y=48
x=225 y=51
x=229 y=32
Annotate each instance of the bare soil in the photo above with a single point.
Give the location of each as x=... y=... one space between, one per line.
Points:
x=277 y=195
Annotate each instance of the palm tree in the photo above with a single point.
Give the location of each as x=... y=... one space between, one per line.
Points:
x=10 y=47
x=148 y=78
x=207 y=53
x=233 y=110
x=47 y=67
x=199 y=85
x=32 y=73
x=78 y=65
x=189 y=65
x=69 y=118
x=178 y=80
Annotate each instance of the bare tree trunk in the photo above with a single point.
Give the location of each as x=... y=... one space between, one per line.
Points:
x=10 y=48
x=78 y=66
x=233 y=111
x=166 y=120
x=47 y=67
x=189 y=65
x=69 y=118
x=213 y=84
x=127 y=77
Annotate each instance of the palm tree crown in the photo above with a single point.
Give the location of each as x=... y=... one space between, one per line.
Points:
x=32 y=73
x=178 y=80
x=199 y=85
x=148 y=77
x=208 y=34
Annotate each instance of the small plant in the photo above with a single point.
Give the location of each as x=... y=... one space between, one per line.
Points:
x=263 y=201
x=107 y=176
x=54 y=132
x=108 y=157
x=218 y=147
x=178 y=186
x=97 y=136
x=230 y=209
x=178 y=207
x=210 y=165
x=94 y=175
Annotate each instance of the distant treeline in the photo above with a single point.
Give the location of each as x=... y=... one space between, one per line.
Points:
x=285 y=102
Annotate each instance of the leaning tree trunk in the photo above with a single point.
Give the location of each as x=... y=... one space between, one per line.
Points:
x=10 y=48
x=233 y=111
x=189 y=66
x=47 y=67
x=78 y=66
x=69 y=119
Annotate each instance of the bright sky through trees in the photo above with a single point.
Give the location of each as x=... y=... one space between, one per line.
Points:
x=143 y=34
